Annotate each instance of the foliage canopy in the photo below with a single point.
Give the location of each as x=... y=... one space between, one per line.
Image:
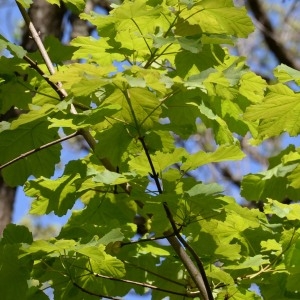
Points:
x=158 y=69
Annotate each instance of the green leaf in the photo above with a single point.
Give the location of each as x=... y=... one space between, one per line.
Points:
x=161 y=161
x=286 y=74
x=55 y=247
x=95 y=51
x=57 y=195
x=102 y=262
x=28 y=133
x=146 y=107
x=205 y=189
x=56 y=50
x=291 y=212
x=154 y=250
x=85 y=119
x=277 y=113
x=223 y=153
x=112 y=236
x=271 y=245
x=219 y=17
x=25 y=3
x=114 y=211
x=14 y=272
x=113 y=149
x=111 y=178
x=279 y=182
x=253 y=262
x=252 y=87
x=14 y=234
x=14 y=49
x=188 y=63
x=75 y=6
x=82 y=79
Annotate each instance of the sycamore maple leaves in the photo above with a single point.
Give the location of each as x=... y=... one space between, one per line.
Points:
x=157 y=70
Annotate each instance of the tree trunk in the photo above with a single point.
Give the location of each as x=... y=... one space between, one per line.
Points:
x=47 y=19
x=7 y=199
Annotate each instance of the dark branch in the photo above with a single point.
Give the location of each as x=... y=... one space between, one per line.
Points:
x=200 y=279
x=276 y=47
x=154 y=174
x=55 y=87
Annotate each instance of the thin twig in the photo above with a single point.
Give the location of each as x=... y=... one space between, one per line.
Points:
x=23 y=155
x=143 y=284
x=154 y=174
x=155 y=274
x=55 y=87
x=127 y=281
x=36 y=37
x=85 y=133
x=153 y=239
x=94 y=294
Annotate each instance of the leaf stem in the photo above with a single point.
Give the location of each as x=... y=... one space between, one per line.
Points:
x=23 y=155
x=61 y=93
x=155 y=274
x=153 y=239
x=153 y=57
x=141 y=34
x=154 y=174
x=94 y=294
x=143 y=284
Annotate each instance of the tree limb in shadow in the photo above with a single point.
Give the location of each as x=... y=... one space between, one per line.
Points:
x=276 y=47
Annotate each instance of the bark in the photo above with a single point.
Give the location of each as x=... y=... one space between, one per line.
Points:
x=47 y=20
x=7 y=193
x=7 y=199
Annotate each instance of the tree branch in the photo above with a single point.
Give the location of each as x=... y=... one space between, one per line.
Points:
x=36 y=37
x=275 y=46
x=154 y=174
x=143 y=284
x=23 y=155
x=35 y=66
x=85 y=133
x=200 y=279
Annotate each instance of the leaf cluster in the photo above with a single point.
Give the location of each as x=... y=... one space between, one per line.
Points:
x=158 y=70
